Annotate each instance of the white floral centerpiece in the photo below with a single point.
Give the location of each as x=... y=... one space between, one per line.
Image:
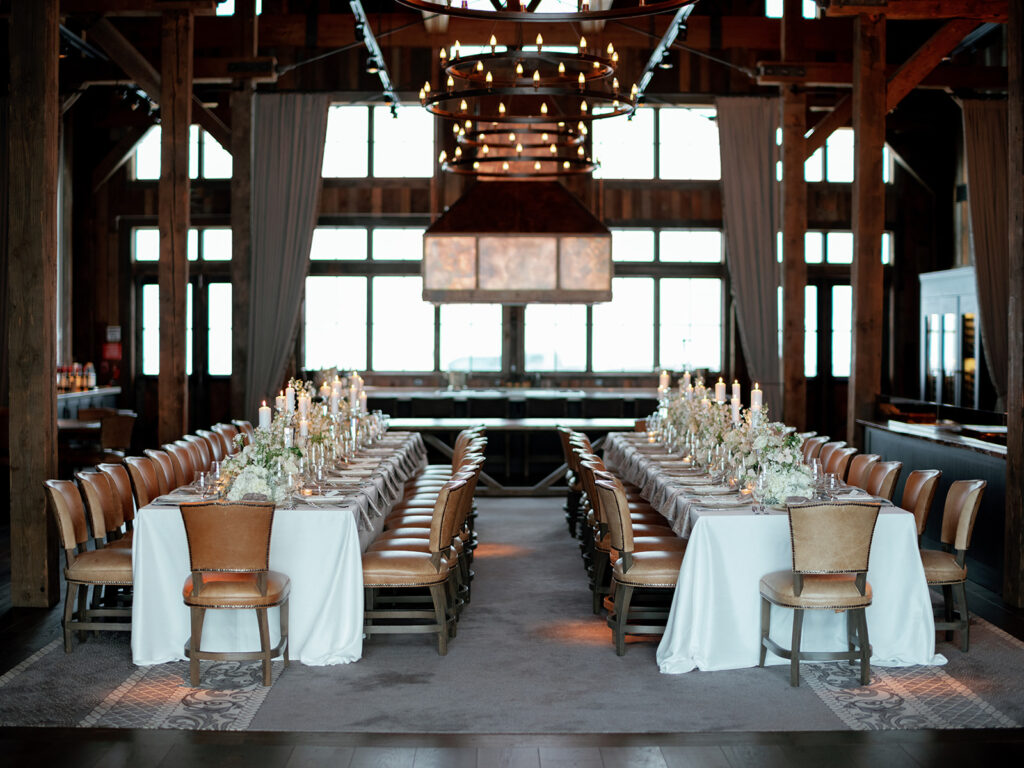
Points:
x=263 y=467
x=780 y=464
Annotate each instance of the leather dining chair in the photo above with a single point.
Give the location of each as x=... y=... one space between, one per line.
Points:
x=86 y=569
x=883 y=477
x=228 y=433
x=147 y=478
x=195 y=456
x=202 y=447
x=860 y=469
x=839 y=462
x=172 y=474
x=229 y=556
x=106 y=517
x=182 y=461
x=218 y=449
x=121 y=482
x=947 y=568
x=825 y=454
x=831 y=544
x=812 y=447
x=918 y=494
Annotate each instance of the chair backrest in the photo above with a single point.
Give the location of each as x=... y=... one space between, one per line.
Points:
x=202 y=445
x=839 y=462
x=860 y=469
x=640 y=425
x=103 y=506
x=121 y=482
x=116 y=431
x=195 y=455
x=832 y=537
x=216 y=443
x=883 y=477
x=182 y=461
x=918 y=494
x=147 y=479
x=612 y=500
x=231 y=537
x=812 y=446
x=445 y=517
x=166 y=479
x=67 y=506
x=960 y=512
x=228 y=433
x=825 y=454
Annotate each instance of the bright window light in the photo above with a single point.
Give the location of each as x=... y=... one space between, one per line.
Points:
x=625 y=148
x=842 y=329
x=632 y=245
x=623 y=330
x=470 y=337
x=338 y=244
x=688 y=147
x=345 y=148
x=335 y=323
x=397 y=244
x=403 y=146
x=218 y=329
x=690 y=326
x=147 y=156
x=691 y=245
x=556 y=337
x=403 y=325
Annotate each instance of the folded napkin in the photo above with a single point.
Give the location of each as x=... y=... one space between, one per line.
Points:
x=726 y=502
x=688 y=480
x=711 y=490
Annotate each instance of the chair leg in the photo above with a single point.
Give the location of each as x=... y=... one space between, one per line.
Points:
x=83 y=601
x=865 y=647
x=284 y=629
x=437 y=592
x=261 y=619
x=194 y=643
x=69 y=608
x=600 y=571
x=794 y=664
x=766 y=623
x=623 y=597
x=851 y=630
x=947 y=608
x=960 y=596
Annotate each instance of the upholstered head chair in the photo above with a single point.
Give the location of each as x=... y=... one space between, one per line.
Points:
x=831 y=544
x=229 y=556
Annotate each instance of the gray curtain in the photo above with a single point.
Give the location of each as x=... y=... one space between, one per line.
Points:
x=750 y=201
x=986 y=146
x=288 y=150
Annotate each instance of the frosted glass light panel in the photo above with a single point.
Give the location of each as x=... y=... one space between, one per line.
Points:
x=403 y=146
x=842 y=329
x=147 y=156
x=623 y=328
x=632 y=245
x=216 y=243
x=450 y=263
x=690 y=326
x=556 y=337
x=403 y=326
x=335 y=323
x=218 y=329
x=146 y=244
x=338 y=244
x=216 y=160
x=688 y=143
x=691 y=245
x=470 y=337
x=517 y=263
x=346 y=149
x=625 y=148
x=397 y=244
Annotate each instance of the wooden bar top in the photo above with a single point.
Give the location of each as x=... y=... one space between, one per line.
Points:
x=940 y=435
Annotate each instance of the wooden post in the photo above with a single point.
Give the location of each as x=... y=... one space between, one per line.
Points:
x=868 y=221
x=31 y=297
x=1013 y=560
x=241 y=210
x=175 y=117
x=794 y=268
x=794 y=227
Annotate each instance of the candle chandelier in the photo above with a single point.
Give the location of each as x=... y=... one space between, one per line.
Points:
x=522 y=113
x=546 y=10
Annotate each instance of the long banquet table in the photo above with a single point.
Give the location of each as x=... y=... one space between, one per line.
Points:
x=714 y=622
x=316 y=541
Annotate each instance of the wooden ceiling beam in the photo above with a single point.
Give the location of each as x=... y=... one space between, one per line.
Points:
x=137 y=7
x=137 y=67
x=980 y=10
x=118 y=155
x=812 y=74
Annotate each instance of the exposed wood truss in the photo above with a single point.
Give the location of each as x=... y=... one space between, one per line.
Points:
x=980 y=10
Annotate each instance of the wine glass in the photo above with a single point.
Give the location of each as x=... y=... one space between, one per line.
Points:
x=817 y=473
x=760 y=489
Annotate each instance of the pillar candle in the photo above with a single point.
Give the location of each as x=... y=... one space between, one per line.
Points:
x=720 y=391
x=287 y=437
x=279 y=402
x=289 y=394
x=362 y=401
x=336 y=386
x=689 y=391
x=664 y=380
x=335 y=398
x=687 y=384
x=735 y=389
x=325 y=391
x=755 y=398
x=303 y=428
x=353 y=397
x=264 y=416
x=303 y=406
x=735 y=410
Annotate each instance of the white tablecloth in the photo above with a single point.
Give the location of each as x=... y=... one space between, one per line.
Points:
x=715 y=618
x=317 y=545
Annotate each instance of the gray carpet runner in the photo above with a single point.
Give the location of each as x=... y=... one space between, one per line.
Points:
x=529 y=657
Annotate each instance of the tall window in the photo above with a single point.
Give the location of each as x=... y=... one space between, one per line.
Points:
x=690 y=323
x=403 y=325
x=470 y=337
x=622 y=330
x=555 y=337
x=688 y=143
x=625 y=148
x=335 y=322
x=367 y=141
x=207 y=159
x=834 y=161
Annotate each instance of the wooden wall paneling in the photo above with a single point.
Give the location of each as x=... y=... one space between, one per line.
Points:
x=175 y=112
x=31 y=297
x=868 y=222
x=1013 y=571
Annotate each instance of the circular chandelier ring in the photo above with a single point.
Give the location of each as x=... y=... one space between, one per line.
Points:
x=564 y=166
x=641 y=8
x=620 y=105
x=592 y=67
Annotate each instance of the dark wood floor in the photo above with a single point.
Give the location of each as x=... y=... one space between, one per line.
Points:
x=23 y=631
